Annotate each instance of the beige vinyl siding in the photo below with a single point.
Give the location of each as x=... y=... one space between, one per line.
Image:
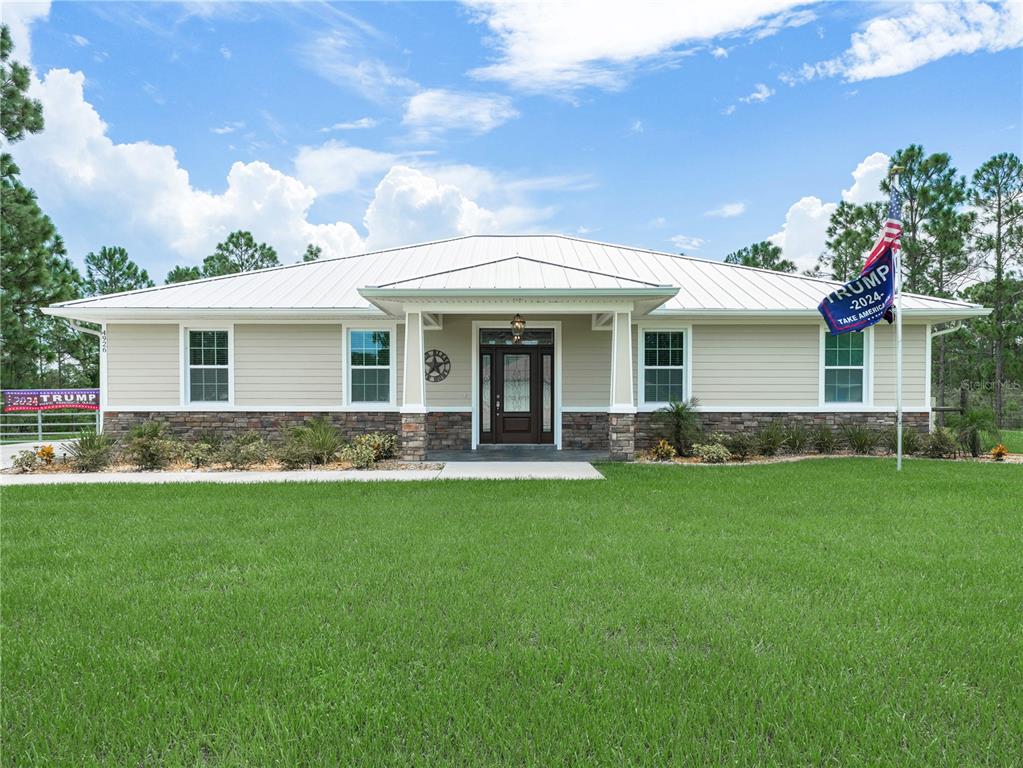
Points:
x=454 y=340
x=914 y=365
x=757 y=365
x=292 y=365
x=398 y=346
x=586 y=363
x=143 y=365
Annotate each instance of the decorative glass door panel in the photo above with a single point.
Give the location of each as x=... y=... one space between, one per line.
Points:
x=516 y=383
x=516 y=388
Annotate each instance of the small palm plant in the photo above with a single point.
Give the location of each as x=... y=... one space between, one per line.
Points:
x=682 y=423
x=969 y=427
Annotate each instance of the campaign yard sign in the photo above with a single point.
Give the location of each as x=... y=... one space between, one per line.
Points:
x=864 y=301
x=50 y=399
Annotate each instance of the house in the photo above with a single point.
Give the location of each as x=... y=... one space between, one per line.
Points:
x=501 y=339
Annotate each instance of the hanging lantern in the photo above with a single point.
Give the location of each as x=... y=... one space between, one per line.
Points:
x=518 y=326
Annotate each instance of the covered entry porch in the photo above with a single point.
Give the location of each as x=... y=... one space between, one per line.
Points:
x=525 y=370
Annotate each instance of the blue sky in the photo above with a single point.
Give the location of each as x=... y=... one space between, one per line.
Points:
x=368 y=125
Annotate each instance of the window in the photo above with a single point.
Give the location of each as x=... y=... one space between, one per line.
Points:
x=843 y=368
x=370 y=366
x=663 y=366
x=208 y=362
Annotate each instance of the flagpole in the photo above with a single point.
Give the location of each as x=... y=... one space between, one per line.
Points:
x=897 y=253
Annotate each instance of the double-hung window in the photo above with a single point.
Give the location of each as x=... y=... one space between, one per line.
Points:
x=370 y=366
x=663 y=364
x=844 y=368
x=208 y=367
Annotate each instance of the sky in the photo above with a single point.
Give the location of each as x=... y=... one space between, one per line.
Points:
x=679 y=127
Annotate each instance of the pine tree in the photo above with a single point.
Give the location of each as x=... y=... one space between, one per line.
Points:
x=239 y=253
x=852 y=231
x=312 y=252
x=182 y=274
x=764 y=255
x=996 y=193
x=111 y=271
x=20 y=114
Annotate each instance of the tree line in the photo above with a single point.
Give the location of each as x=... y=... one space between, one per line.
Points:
x=962 y=238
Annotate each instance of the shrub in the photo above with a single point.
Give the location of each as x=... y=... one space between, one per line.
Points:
x=741 y=444
x=200 y=454
x=824 y=440
x=910 y=441
x=213 y=438
x=148 y=447
x=969 y=426
x=244 y=450
x=681 y=422
x=359 y=455
x=663 y=451
x=797 y=439
x=771 y=439
x=25 y=461
x=321 y=439
x=712 y=453
x=384 y=445
x=46 y=454
x=860 y=439
x=91 y=452
x=294 y=452
x=999 y=452
x=941 y=444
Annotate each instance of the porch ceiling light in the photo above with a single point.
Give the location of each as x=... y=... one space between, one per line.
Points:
x=518 y=326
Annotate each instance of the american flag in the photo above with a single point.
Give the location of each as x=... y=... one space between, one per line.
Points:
x=891 y=233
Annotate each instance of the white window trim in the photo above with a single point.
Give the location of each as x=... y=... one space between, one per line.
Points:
x=868 y=374
x=346 y=334
x=687 y=363
x=186 y=368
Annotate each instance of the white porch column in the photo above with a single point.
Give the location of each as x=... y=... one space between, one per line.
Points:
x=621 y=364
x=413 y=404
x=414 y=400
x=621 y=416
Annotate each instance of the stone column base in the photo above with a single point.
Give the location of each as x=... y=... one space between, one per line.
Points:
x=413 y=437
x=622 y=436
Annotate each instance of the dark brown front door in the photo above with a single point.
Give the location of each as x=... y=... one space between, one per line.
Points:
x=516 y=394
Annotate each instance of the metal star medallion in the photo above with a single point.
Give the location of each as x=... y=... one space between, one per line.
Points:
x=438 y=366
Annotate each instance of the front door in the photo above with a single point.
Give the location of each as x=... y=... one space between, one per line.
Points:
x=516 y=394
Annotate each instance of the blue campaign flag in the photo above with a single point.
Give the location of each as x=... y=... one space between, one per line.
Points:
x=864 y=301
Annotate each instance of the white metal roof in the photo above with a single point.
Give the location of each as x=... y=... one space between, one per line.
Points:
x=488 y=261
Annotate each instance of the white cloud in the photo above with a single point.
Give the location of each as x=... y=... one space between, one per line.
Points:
x=80 y=40
x=730 y=109
x=19 y=17
x=566 y=45
x=728 y=210
x=802 y=236
x=352 y=125
x=335 y=167
x=439 y=109
x=686 y=243
x=893 y=45
x=225 y=52
x=227 y=128
x=636 y=126
x=408 y=206
x=335 y=57
x=761 y=93
x=719 y=53
x=867 y=179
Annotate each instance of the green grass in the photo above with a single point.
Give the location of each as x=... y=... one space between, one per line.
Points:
x=820 y=613
x=1010 y=438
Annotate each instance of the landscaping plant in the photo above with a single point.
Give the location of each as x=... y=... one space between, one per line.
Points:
x=999 y=452
x=25 y=461
x=969 y=426
x=771 y=439
x=797 y=439
x=46 y=454
x=321 y=439
x=663 y=451
x=941 y=444
x=294 y=452
x=742 y=445
x=681 y=422
x=148 y=446
x=712 y=453
x=911 y=441
x=359 y=455
x=384 y=445
x=200 y=454
x=824 y=440
x=860 y=439
x=91 y=452
x=244 y=450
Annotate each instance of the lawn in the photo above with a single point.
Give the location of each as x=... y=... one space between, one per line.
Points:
x=825 y=612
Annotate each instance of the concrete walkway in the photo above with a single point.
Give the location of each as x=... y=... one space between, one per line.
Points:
x=519 y=470
x=496 y=470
